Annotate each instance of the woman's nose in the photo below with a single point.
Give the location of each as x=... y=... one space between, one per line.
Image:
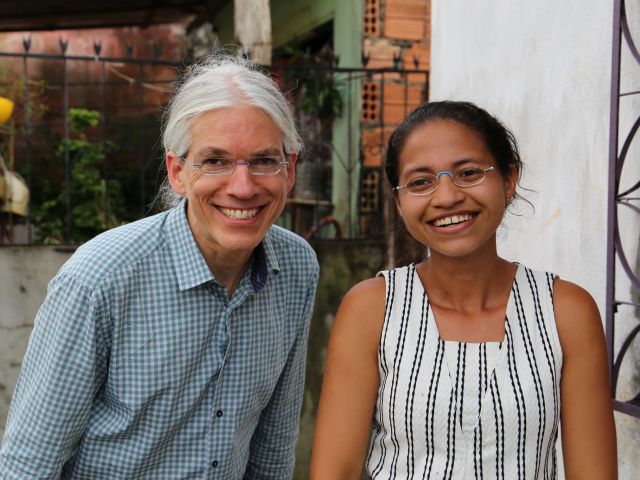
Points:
x=446 y=193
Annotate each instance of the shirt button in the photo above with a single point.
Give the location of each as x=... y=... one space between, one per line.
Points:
x=214 y=464
x=219 y=413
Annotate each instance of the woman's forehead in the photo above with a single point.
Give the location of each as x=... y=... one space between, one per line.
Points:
x=443 y=144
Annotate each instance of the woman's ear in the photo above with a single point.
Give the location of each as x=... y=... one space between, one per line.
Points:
x=175 y=166
x=510 y=183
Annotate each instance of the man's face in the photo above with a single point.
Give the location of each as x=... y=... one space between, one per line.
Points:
x=229 y=215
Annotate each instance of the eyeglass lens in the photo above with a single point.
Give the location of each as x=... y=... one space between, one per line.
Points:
x=266 y=165
x=427 y=183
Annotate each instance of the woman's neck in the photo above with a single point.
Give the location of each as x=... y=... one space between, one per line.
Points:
x=467 y=284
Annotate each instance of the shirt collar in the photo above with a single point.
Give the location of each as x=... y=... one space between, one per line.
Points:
x=264 y=260
x=189 y=264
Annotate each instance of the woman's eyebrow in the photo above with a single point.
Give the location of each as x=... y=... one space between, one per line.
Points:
x=454 y=166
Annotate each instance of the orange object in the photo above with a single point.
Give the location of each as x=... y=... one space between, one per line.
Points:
x=6 y=109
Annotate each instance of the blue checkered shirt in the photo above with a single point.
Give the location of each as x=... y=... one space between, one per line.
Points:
x=140 y=367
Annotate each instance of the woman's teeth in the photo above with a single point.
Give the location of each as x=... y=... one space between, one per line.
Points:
x=239 y=214
x=443 y=222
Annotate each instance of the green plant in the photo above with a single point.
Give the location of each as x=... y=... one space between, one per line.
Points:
x=88 y=203
x=318 y=88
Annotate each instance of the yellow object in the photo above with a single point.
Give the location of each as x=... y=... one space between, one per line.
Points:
x=6 y=109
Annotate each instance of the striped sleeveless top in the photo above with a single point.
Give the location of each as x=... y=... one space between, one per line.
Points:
x=452 y=410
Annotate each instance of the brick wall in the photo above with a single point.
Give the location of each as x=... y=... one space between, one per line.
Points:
x=396 y=35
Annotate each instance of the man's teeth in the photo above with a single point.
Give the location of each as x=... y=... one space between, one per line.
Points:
x=443 y=222
x=239 y=214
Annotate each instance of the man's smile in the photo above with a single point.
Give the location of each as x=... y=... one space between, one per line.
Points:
x=239 y=213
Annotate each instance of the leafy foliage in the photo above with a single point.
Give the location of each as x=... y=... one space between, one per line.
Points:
x=88 y=203
x=319 y=90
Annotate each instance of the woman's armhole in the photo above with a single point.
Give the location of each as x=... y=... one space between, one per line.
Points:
x=551 y=280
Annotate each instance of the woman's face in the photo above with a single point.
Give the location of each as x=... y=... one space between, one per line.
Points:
x=452 y=221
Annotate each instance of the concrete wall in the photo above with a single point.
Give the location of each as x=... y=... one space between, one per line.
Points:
x=24 y=275
x=342 y=264
x=544 y=68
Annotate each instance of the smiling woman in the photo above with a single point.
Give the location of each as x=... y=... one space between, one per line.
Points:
x=465 y=363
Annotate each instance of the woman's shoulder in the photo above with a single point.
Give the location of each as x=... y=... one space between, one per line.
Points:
x=366 y=294
x=577 y=316
x=361 y=313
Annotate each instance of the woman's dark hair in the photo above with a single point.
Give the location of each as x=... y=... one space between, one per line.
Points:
x=499 y=140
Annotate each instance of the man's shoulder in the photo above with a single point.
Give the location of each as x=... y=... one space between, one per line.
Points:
x=289 y=243
x=115 y=249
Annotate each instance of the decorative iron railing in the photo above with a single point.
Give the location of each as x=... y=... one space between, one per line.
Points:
x=349 y=148
x=622 y=314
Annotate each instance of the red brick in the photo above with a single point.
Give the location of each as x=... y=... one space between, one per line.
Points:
x=373 y=145
x=419 y=50
x=399 y=101
x=402 y=28
x=406 y=8
x=372 y=18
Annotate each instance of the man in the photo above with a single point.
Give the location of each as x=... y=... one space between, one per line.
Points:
x=174 y=347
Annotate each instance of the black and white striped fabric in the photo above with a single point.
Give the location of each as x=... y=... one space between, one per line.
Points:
x=449 y=410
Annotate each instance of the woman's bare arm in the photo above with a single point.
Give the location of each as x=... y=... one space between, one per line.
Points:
x=588 y=428
x=350 y=384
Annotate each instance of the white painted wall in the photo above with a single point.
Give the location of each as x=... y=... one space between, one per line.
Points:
x=544 y=69
x=24 y=275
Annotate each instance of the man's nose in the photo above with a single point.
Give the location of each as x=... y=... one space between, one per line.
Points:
x=241 y=183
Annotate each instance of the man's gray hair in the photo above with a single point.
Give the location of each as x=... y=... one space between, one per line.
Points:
x=218 y=82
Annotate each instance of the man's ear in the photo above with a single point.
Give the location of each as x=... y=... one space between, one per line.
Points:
x=175 y=165
x=291 y=171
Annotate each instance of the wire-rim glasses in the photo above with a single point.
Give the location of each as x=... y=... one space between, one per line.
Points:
x=426 y=183
x=263 y=165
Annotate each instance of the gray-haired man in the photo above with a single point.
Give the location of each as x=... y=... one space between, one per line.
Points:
x=174 y=347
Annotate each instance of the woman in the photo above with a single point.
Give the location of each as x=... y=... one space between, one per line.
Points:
x=465 y=363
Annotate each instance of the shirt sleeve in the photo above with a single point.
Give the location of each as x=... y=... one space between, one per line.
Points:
x=272 y=451
x=63 y=368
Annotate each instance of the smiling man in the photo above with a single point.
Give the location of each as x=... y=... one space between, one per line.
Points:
x=174 y=347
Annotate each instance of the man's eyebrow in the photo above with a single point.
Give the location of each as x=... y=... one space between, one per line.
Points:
x=220 y=152
x=267 y=152
x=210 y=151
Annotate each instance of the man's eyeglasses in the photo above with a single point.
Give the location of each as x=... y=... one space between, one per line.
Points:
x=427 y=183
x=266 y=165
